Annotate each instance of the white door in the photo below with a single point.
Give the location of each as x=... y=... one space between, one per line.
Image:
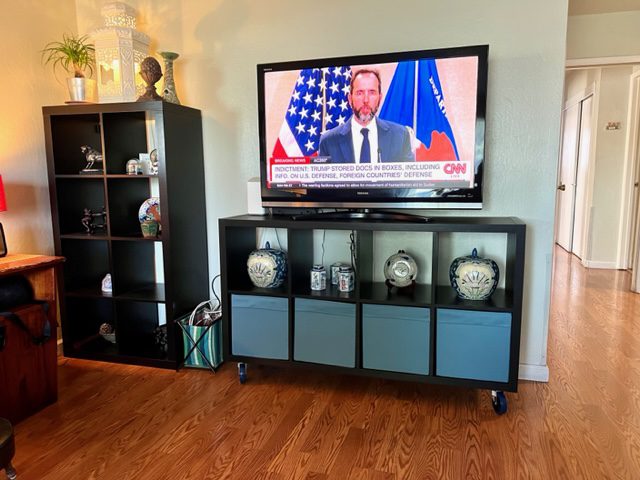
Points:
x=584 y=144
x=567 y=175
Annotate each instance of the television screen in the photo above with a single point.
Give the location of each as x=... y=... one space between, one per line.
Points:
x=391 y=130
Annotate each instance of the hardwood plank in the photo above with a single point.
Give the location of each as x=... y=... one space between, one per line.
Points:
x=125 y=422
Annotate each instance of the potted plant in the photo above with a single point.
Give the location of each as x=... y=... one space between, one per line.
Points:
x=75 y=55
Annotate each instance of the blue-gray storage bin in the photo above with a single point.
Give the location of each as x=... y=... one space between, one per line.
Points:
x=325 y=332
x=395 y=338
x=473 y=344
x=260 y=326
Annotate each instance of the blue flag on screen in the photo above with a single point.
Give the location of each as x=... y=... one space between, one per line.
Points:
x=421 y=107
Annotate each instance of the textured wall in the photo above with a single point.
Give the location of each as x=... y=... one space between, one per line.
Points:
x=221 y=41
x=604 y=35
x=26 y=86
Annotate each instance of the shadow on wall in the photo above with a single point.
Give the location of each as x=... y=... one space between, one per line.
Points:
x=23 y=232
x=219 y=32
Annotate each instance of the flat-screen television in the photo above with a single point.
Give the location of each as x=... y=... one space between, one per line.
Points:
x=393 y=130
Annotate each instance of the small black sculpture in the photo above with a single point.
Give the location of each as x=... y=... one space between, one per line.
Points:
x=92 y=156
x=88 y=218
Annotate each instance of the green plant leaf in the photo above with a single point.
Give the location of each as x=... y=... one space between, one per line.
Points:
x=74 y=54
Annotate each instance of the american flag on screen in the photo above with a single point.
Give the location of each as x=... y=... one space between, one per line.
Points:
x=319 y=102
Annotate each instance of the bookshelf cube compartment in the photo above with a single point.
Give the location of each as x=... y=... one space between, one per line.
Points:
x=125 y=137
x=396 y=338
x=135 y=327
x=133 y=266
x=84 y=317
x=473 y=344
x=87 y=262
x=69 y=133
x=325 y=332
x=260 y=326
x=74 y=195
x=126 y=195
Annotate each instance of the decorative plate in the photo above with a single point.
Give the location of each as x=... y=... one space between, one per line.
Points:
x=474 y=277
x=400 y=269
x=267 y=267
x=150 y=210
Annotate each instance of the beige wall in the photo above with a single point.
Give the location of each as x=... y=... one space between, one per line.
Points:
x=27 y=85
x=603 y=35
x=221 y=41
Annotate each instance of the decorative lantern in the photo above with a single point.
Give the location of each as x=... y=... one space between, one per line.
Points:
x=120 y=49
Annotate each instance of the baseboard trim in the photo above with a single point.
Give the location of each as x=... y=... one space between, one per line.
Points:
x=536 y=373
x=603 y=265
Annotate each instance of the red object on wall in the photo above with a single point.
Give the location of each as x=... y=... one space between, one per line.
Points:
x=3 y=200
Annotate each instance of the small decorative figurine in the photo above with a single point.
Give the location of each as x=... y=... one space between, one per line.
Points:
x=133 y=167
x=151 y=72
x=267 y=267
x=154 y=162
x=92 y=156
x=107 y=285
x=473 y=277
x=107 y=332
x=400 y=270
x=88 y=220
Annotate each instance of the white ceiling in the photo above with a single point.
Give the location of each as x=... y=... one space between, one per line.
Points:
x=589 y=7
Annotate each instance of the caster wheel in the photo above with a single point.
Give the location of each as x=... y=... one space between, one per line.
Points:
x=499 y=401
x=242 y=372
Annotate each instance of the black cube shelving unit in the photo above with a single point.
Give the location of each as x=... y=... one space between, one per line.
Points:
x=155 y=281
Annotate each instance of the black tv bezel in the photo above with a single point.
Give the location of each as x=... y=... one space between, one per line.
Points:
x=380 y=198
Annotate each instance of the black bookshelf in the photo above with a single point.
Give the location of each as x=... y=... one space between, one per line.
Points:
x=155 y=280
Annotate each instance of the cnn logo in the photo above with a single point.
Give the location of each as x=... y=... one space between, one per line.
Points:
x=450 y=168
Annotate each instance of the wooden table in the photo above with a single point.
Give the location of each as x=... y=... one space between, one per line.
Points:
x=28 y=372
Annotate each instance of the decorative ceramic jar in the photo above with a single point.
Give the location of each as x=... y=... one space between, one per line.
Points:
x=473 y=277
x=400 y=269
x=149 y=228
x=267 y=267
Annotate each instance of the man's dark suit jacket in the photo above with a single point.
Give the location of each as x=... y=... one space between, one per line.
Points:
x=394 y=143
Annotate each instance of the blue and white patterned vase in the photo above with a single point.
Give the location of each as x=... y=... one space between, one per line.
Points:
x=267 y=267
x=473 y=277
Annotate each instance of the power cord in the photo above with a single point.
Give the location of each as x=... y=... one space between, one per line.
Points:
x=352 y=248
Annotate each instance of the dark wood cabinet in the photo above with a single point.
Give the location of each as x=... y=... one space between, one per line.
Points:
x=155 y=280
x=427 y=334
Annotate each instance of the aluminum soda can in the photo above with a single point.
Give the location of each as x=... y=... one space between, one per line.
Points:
x=318 y=278
x=346 y=279
x=335 y=269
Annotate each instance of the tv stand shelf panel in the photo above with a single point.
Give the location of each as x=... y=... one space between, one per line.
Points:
x=431 y=330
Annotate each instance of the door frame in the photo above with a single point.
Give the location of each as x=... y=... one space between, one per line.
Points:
x=631 y=153
x=590 y=91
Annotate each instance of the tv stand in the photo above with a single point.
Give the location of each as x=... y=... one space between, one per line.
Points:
x=364 y=215
x=423 y=334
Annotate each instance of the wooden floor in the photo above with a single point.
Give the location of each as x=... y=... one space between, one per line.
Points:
x=120 y=422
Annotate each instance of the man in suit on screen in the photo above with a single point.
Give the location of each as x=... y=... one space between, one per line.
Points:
x=364 y=138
